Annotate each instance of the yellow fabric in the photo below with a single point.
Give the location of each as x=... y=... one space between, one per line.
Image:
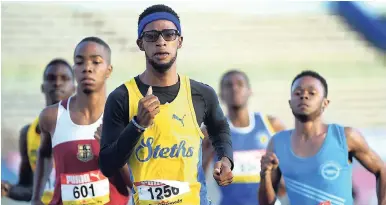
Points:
x=170 y=148
x=33 y=143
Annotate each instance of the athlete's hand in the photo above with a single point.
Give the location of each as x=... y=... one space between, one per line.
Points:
x=148 y=108
x=5 y=187
x=98 y=133
x=222 y=172
x=269 y=162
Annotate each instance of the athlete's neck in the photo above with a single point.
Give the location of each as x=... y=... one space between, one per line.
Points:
x=310 y=129
x=154 y=78
x=91 y=105
x=50 y=102
x=239 y=117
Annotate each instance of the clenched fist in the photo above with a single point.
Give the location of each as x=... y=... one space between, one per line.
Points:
x=222 y=172
x=148 y=108
x=269 y=162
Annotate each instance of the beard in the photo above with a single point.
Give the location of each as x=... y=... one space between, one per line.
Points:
x=87 y=91
x=303 y=118
x=161 y=67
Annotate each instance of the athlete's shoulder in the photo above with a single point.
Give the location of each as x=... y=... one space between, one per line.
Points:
x=119 y=92
x=25 y=128
x=23 y=132
x=342 y=131
x=350 y=130
x=277 y=138
x=202 y=88
x=354 y=137
x=47 y=117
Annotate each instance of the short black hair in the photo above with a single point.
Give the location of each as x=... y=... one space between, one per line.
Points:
x=313 y=74
x=58 y=61
x=98 y=41
x=233 y=72
x=157 y=8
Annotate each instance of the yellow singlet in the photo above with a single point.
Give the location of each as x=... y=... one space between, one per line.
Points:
x=166 y=162
x=33 y=143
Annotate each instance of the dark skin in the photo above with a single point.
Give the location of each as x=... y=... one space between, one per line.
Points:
x=148 y=106
x=92 y=69
x=307 y=97
x=58 y=84
x=235 y=93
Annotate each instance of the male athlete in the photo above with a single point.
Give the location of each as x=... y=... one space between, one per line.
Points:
x=67 y=131
x=152 y=122
x=250 y=135
x=58 y=84
x=315 y=158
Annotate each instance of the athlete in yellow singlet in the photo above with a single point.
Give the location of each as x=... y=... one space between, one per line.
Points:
x=153 y=122
x=58 y=84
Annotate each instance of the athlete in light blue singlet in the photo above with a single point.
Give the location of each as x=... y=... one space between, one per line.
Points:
x=250 y=134
x=315 y=158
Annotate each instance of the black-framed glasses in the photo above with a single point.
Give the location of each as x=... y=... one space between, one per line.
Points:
x=153 y=35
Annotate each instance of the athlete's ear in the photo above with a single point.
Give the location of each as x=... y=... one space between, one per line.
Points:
x=325 y=104
x=109 y=71
x=42 y=88
x=180 y=40
x=140 y=44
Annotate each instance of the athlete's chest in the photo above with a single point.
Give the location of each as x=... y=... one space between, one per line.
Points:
x=174 y=134
x=307 y=148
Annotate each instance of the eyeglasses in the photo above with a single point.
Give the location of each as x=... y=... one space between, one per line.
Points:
x=153 y=35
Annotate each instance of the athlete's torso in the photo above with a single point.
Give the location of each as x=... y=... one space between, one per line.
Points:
x=325 y=178
x=76 y=152
x=33 y=143
x=249 y=145
x=166 y=163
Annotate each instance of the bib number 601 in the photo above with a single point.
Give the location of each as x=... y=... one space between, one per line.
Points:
x=83 y=191
x=166 y=192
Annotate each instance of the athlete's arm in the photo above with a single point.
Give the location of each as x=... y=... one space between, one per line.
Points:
x=22 y=191
x=359 y=149
x=119 y=137
x=125 y=172
x=207 y=150
x=217 y=125
x=278 y=126
x=270 y=180
x=47 y=123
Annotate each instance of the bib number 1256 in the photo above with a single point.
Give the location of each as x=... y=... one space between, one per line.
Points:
x=161 y=193
x=83 y=191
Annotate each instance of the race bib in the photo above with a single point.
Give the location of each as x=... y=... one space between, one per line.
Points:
x=85 y=188
x=160 y=190
x=247 y=162
x=247 y=166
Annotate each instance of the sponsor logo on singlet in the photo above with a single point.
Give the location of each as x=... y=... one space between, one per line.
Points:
x=158 y=151
x=330 y=170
